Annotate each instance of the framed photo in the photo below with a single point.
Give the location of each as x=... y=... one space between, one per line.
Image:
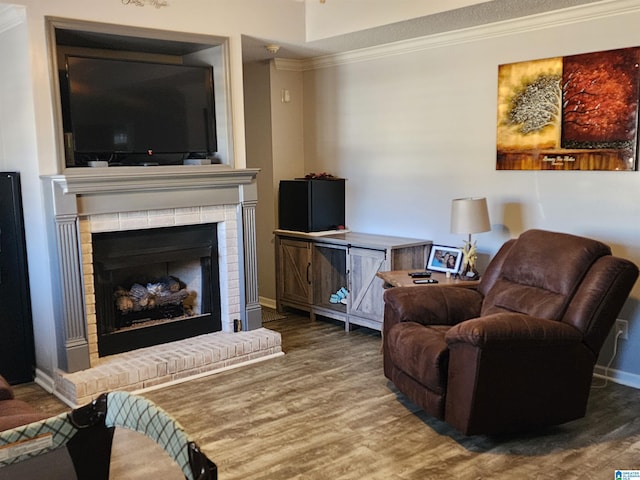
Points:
x=444 y=259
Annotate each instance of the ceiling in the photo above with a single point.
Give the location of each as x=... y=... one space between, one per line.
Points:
x=253 y=49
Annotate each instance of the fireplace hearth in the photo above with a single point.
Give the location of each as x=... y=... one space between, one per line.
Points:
x=155 y=285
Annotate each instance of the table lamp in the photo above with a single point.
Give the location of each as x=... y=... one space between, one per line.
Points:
x=469 y=215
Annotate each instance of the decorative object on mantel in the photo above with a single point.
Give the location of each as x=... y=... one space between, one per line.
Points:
x=319 y=176
x=142 y=3
x=469 y=215
x=578 y=112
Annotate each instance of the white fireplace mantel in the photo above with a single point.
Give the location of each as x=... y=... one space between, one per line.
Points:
x=83 y=192
x=106 y=190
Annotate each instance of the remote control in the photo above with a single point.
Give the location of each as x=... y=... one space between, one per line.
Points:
x=425 y=280
x=420 y=274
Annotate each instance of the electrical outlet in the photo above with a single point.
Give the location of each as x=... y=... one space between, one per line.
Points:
x=622 y=326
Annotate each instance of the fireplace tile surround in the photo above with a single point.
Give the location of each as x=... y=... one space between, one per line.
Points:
x=86 y=201
x=224 y=217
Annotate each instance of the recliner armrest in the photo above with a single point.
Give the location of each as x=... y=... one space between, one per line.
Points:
x=432 y=305
x=513 y=329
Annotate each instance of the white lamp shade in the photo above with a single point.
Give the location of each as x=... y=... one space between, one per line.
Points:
x=469 y=215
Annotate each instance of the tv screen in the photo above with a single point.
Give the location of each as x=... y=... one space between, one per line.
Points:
x=132 y=112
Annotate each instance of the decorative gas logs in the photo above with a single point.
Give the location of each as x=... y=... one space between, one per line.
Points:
x=166 y=291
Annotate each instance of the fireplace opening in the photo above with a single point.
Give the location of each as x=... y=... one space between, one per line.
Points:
x=155 y=286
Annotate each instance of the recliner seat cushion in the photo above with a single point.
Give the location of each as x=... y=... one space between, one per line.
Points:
x=421 y=352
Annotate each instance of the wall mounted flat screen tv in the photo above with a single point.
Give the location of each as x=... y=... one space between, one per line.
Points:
x=132 y=113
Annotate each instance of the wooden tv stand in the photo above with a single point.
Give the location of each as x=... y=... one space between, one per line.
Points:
x=310 y=267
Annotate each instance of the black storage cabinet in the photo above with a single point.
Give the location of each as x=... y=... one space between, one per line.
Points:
x=16 y=330
x=311 y=205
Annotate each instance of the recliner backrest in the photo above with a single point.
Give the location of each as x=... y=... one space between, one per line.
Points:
x=539 y=273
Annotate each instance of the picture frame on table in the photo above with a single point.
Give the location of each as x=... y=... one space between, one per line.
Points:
x=444 y=259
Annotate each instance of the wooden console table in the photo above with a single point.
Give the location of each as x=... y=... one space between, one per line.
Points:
x=311 y=267
x=401 y=278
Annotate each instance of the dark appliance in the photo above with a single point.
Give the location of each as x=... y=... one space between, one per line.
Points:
x=16 y=329
x=311 y=205
x=135 y=112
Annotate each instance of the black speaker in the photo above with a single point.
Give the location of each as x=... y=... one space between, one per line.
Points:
x=311 y=205
x=17 y=360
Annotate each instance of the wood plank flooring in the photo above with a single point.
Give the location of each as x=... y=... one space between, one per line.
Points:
x=325 y=411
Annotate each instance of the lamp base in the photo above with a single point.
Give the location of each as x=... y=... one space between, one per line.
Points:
x=469 y=273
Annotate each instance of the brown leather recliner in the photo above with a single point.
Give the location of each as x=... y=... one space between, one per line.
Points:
x=517 y=353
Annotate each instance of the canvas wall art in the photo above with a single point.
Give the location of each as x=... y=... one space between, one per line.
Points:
x=577 y=112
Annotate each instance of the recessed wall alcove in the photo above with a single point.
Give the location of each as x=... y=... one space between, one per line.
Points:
x=118 y=42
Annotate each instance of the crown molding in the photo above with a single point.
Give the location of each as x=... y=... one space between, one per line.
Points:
x=541 y=21
x=11 y=16
x=289 y=64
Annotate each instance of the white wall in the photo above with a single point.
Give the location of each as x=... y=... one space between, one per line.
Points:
x=287 y=121
x=274 y=131
x=18 y=152
x=288 y=147
x=413 y=126
x=258 y=127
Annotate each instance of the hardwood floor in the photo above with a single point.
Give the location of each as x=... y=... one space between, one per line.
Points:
x=325 y=411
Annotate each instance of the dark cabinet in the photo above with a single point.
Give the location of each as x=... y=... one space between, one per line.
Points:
x=308 y=205
x=16 y=331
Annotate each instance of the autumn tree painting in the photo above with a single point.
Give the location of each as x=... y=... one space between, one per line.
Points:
x=569 y=113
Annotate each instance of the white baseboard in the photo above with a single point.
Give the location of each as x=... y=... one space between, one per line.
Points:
x=267 y=302
x=44 y=380
x=618 y=376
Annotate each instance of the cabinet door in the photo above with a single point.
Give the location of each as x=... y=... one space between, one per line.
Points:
x=365 y=292
x=294 y=271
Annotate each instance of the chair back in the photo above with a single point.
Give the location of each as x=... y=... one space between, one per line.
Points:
x=561 y=277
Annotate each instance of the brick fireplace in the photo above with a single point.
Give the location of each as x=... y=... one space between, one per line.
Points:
x=216 y=217
x=85 y=202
